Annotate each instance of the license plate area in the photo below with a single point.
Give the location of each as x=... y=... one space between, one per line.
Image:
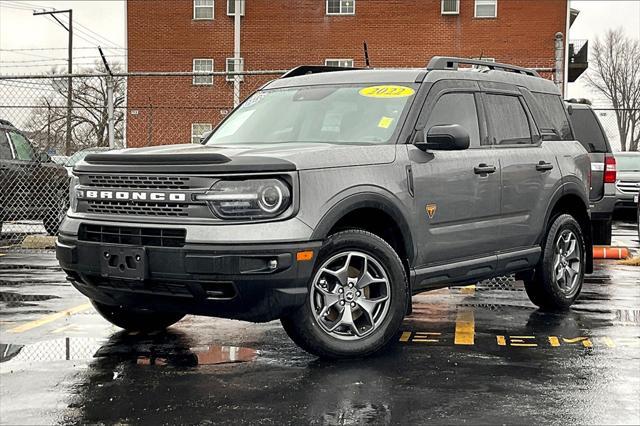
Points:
x=124 y=262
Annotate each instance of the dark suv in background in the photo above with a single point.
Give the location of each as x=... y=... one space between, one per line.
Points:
x=602 y=197
x=32 y=187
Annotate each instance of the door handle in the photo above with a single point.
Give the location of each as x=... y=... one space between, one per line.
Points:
x=483 y=169
x=543 y=166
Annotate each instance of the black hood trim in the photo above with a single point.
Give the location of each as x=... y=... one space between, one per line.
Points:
x=181 y=163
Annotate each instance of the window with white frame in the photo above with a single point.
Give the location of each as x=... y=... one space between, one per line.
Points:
x=235 y=65
x=203 y=9
x=345 y=63
x=231 y=7
x=198 y=130
x=486 y=8
x=202 y=66
x=450 y=7
x=341 y=7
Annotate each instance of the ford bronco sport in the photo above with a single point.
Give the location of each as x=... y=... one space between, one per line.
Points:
x=330 y=196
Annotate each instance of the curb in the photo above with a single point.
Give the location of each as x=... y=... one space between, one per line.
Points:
x=608 y=252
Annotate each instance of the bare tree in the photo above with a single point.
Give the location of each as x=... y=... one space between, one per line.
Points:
x=89 y=119
x=615 y=61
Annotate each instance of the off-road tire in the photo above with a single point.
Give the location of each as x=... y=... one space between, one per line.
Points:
x=305 y=331
x=541 y=288
x=601 y=230
x=137 y=320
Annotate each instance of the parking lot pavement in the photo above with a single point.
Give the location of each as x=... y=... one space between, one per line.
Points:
x=476 y=354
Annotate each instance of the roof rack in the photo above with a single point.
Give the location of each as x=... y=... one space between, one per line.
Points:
x=314 y=69
x=451 y=63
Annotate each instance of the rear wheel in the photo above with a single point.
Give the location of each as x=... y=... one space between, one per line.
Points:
x=357 y=298
x=601 y=232
x=557 y=279
x=137 y=319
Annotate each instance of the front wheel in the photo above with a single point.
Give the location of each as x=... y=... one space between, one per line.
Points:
x=357 y=298
x=137 y=319
x=557 y=279
x=56 y=215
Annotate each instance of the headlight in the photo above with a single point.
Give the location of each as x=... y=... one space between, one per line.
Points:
x=74 y=182
x=248 y=199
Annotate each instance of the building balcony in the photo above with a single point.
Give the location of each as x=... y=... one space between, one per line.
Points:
x=578 y=58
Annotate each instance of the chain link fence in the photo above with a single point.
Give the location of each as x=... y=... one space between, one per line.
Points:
x=41 y=137
x=38 y=152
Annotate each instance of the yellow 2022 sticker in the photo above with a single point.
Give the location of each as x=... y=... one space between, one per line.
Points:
x=387 y=91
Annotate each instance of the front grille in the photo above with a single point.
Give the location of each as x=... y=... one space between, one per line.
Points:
x=153 y=237
x=137 y=208
x=137 y=182
x=628 y=187
x=154 y=287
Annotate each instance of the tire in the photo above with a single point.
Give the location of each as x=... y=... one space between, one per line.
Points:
x=601 y=230
x=338 y=296
x=552 y=286
x=137 y=320
x=55 y=216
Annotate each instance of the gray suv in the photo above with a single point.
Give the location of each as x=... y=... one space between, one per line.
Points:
x=331 y=196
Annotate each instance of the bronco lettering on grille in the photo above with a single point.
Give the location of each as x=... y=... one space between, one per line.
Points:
x=131 y=195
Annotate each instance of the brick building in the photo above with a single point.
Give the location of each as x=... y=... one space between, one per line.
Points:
x=198 y=35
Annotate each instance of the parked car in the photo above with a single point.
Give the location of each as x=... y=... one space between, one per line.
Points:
x=32 y=186
x=602 y=196
x=330 y=196
x=80 y=155
x=628 y=181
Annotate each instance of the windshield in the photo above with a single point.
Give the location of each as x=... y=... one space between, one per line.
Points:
x=629 y=163
x=331 y=114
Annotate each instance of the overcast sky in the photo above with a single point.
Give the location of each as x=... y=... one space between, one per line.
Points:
x=102 y=22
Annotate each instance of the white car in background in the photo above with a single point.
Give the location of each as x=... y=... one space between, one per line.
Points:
x=628 y=179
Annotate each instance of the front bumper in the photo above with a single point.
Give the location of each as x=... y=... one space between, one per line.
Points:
x=228 y=281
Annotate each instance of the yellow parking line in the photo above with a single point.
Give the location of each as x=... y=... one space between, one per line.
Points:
x=470 y=289
x=49 y=318
x=465 y=327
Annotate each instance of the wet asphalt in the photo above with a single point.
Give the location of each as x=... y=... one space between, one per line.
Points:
x=477 y=354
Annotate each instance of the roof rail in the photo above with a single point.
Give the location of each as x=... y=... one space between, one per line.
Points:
x=5 y=122
x=451 y=63
x=314 y=69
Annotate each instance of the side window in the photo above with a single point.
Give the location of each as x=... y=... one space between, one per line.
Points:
x=508 y=120
x=588 y=131
x=24 y=151
x=5 y=149
x=457 y=108
x=555 y=117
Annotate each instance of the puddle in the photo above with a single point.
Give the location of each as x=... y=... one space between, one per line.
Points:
x=63 y=349
x=209 y=355
x=8 y=296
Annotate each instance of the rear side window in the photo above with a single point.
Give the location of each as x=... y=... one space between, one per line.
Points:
x=588 y=130
x=554 y=116
x=457 y=108
x=508 y=120
x=5 y=150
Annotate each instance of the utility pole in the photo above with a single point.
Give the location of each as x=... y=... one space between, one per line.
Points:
x=236 y=51
x=69 y=29
x=110 y=84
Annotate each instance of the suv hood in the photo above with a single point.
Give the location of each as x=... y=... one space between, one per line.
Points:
x=239 y=158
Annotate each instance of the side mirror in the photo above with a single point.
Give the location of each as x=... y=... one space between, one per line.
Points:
x=205 y=136
x=43 y=157
x=452 y=137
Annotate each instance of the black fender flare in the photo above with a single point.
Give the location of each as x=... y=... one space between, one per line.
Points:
x=370 y=198
x=572 y=187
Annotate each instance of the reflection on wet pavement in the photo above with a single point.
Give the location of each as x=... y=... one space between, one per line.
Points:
x=480 y=354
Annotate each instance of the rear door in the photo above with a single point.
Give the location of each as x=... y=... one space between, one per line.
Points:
x=457 y=205
x=530 y=172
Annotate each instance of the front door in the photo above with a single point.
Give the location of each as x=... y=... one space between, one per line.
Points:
x=457 y=193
